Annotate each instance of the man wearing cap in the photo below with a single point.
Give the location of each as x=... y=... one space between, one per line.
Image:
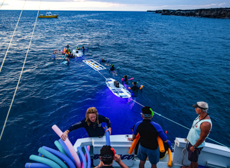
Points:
x=199 y=131
x=148 y=131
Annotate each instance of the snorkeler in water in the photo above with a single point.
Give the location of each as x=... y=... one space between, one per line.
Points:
x=125 y=79
x=103 y=60
x=83 y=49
x=134 y=89
x=112 y=68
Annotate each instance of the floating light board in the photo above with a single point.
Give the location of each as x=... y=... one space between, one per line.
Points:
x=77 y=53
x=120 y=91
x=93 y=64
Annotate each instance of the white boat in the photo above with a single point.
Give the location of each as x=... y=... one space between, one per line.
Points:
x=77 y=53
x=118 y=89
x=212 y=155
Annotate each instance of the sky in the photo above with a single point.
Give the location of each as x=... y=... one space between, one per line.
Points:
x=111 y=5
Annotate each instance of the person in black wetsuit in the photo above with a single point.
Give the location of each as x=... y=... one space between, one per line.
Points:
x=107 y=155
x=134 y=89
x=92 y=124
x=148 y=131
x=112 y=68
x=103 y=60
x=83 y=49
x=125 y=79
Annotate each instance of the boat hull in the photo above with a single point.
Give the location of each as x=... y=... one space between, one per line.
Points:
x=52 y=16
x=121 y=91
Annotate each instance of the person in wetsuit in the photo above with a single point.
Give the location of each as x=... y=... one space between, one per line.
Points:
x=148 y=131
x=112 y=68
x=92 y=124
x=125 y=79
x=134 y=89
x=102 y=60
x=83 y=49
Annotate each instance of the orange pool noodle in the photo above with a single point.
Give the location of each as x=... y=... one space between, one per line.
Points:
x=160 y=144
x=132 y=147
x=170 y=158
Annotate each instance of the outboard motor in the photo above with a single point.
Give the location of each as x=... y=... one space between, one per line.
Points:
x=116 y=84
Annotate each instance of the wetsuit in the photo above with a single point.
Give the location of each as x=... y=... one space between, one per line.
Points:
x=148 y=131
x=94 y=129
x=125 y=81
x=103 y=60
x=135 y=90
x=112 y=68
x=83 y=50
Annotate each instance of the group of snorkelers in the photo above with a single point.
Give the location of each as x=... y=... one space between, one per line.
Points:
x=125 y=81
x=134 y=89
x=67 y=53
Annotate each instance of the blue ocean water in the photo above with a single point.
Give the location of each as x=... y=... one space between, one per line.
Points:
x=179 y=60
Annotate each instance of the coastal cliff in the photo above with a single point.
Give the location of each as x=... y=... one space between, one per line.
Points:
x=210 y=13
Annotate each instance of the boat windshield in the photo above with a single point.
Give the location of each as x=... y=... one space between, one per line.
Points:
x=48 y=13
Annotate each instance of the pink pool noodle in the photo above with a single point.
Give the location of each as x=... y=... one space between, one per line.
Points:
x=69 y=146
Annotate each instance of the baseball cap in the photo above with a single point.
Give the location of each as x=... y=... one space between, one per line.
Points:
x=202 y=105
x=146 y=111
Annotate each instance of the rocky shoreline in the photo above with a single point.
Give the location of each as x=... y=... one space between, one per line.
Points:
x=209 y=13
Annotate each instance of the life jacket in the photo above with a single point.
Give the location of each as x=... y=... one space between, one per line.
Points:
x=66 y=51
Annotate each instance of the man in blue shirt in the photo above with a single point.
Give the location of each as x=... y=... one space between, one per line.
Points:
x=148 y=131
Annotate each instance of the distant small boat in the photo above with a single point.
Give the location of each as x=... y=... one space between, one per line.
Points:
x=48 y=15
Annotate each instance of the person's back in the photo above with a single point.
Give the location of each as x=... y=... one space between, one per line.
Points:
x=148 y=131
x=148 y=136
x=135 y=90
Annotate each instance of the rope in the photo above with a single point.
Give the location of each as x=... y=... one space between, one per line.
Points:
x=101 y=74
x=19 y=76
x=163 y=116
x=2 y=4
x=12 y=36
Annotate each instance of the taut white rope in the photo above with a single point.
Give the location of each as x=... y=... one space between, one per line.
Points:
x=12 y=36
x=19 y=76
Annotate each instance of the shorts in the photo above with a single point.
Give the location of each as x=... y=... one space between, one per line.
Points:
x=193 y=156
x=153 y=155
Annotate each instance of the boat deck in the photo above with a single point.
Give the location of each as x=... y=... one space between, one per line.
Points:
x=212 y=155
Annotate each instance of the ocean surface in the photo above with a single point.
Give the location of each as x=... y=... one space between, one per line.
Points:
x=179 y=60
